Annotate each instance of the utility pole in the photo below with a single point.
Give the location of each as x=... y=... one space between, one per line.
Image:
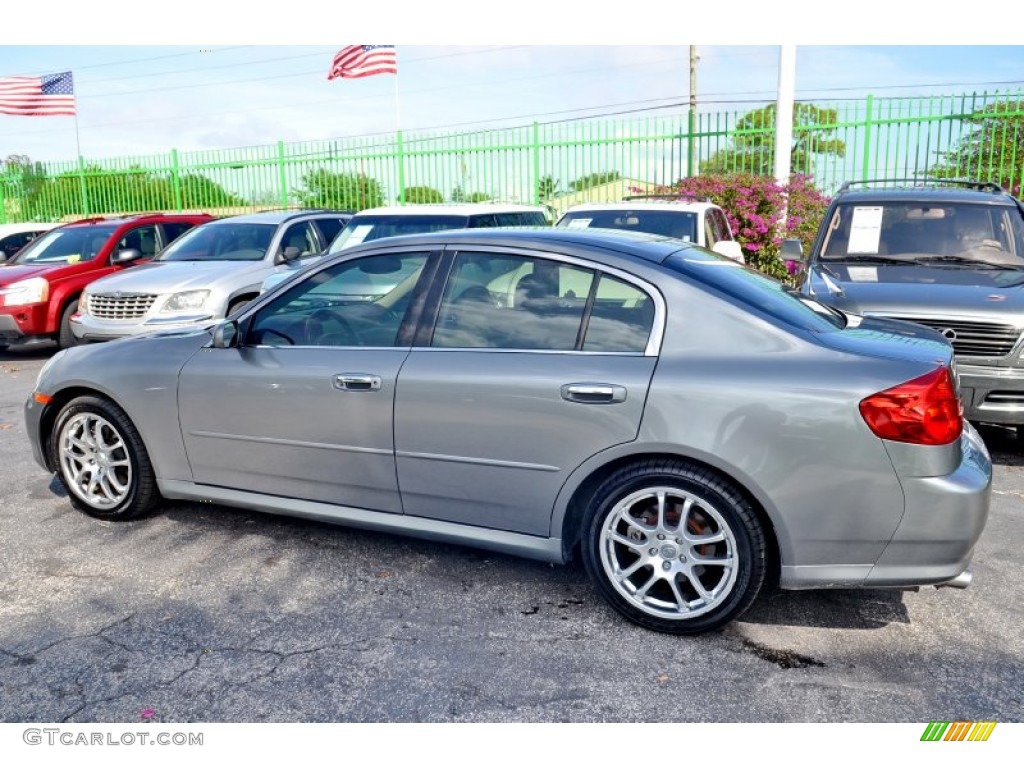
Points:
x=691 y=165
x=784 y=120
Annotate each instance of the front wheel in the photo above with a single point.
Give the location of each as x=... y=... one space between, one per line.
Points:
x=65 y=336
x=674 y=547
x=101 y=460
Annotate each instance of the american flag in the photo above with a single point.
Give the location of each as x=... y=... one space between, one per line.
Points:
x=45 y=95
x=363 y=61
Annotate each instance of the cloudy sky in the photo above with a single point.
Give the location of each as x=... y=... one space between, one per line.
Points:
x=466 y=65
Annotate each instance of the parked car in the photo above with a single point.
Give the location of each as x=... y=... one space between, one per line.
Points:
x=690 y=428
x=949 y=256
x=14 y=237
x=389 y=221
x=41 y=286
x=205 y=276
x=703 y=223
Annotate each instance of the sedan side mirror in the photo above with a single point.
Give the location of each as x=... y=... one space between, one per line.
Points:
x=225 y=335
x=126 y=256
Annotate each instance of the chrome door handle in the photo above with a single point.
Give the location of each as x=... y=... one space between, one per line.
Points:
x=593 y=393
x=356 y=382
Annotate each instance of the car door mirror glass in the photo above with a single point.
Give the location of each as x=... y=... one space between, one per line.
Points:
x=126 y=256
x=225 y=335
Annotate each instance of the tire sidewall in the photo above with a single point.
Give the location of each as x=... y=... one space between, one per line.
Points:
x=128 y=506
x=751 y=562
x=65 y=336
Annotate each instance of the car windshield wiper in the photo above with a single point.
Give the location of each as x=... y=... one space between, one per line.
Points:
x=876 y=258
x=968 y=261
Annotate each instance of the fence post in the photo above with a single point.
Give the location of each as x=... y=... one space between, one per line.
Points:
x=866 y=167
x=176 y=181
x=401 y=169
x=3 y=200
x=282 y=175
x=81 y=185
x=536 y=163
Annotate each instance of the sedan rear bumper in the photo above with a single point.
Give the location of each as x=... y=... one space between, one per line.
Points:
x=942 y=521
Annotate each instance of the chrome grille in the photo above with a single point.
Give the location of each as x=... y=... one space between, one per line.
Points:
x=972 y=338
x=120 y=306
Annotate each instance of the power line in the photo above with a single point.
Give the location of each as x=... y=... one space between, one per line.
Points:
x=138 y=61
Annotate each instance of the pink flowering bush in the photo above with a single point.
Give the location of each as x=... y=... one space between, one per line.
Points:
x=754 y=205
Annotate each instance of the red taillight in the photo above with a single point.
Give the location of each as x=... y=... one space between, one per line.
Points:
x=925 y=410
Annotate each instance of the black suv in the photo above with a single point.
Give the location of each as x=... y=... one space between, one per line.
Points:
x=945 y=254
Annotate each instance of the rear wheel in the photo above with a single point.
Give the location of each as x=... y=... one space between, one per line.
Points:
x=674 y=547
x=101 y=460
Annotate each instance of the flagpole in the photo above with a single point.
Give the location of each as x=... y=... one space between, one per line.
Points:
x=81 y=160
x=398 y=112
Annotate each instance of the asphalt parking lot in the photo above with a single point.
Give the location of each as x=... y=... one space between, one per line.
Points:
x=210 y=614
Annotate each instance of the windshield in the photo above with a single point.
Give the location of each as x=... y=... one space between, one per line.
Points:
x=221 y=241
x=681 y=225
x=363 y=229
x=926 y=232
x=65 y=246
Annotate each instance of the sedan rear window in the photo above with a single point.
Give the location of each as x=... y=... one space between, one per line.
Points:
x=757 y=291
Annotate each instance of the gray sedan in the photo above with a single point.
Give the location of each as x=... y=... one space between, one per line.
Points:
x=687 y=427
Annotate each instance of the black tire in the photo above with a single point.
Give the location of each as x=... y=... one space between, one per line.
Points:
x=65 y=336
x=663 y=555
x=117 y=463
x=236 y=305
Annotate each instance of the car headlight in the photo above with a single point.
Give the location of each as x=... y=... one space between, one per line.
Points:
x=32 y=291
x=188 y=301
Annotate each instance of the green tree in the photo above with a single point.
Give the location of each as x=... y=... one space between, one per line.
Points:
x=22 y=180
x=993 y=150
x=593 y=180
x=477 y=197
x=201 y=192
x=423 y=195
x=457 y=195
x=547 y=187
x=350 y=191
x=753 y=142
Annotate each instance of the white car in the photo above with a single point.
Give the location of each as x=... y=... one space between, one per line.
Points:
x=14 y=237
x=704 y=224
x=390 y=221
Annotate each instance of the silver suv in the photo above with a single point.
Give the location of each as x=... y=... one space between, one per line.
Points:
x=205 y=275
x=949 y=256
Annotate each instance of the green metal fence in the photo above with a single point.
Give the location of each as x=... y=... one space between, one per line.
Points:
x=559 y=163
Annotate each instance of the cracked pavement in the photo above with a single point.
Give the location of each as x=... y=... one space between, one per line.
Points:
x=210 y=614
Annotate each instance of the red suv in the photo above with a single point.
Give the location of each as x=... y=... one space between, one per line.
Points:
x=39 y=288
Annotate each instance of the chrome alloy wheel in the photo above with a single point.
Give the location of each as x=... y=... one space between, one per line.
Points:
x=94 y=461
x=669 y=552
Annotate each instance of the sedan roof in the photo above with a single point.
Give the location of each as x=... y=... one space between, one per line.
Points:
x=635 y=245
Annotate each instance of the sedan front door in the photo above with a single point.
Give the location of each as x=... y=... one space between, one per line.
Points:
x=303 y=408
